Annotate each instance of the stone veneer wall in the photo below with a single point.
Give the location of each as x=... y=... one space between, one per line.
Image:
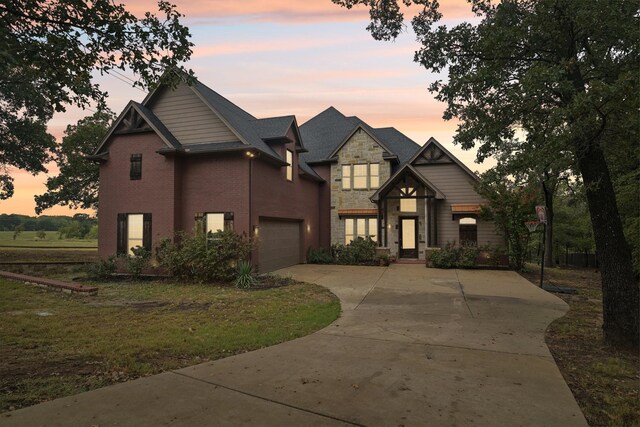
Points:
x=360 y=148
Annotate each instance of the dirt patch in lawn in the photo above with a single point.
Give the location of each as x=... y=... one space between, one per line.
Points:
x=134 y=329
x=604 y=381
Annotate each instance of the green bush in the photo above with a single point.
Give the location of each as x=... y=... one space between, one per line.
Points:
x=137 y=262
x=204 y=258
x=101 y=270
x=452 y=256
x=320 y=256
x=244 y=275
x=359 y=252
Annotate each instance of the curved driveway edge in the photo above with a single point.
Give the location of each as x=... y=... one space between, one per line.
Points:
x=414 y=346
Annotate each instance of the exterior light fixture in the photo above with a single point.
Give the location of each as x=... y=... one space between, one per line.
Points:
x=255 y=230
x=250 y=154
x=308 y=228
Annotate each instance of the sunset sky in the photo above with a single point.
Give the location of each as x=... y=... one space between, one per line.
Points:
x=282 y=57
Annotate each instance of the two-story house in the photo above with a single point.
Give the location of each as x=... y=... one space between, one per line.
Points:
x=187 y=154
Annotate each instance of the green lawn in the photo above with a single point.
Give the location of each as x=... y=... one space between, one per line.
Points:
x=55 y=345
x=28 y=238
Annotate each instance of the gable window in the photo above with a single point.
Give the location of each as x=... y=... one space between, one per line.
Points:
x=374 y=175
x=468 y=228
x=408 y=204
x=134 y=230
x=289 y=165
x=135 y=172
x=346 y=177
x=360 y=177
x=360 y=227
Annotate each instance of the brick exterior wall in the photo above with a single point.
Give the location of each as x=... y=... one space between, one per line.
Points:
x=174 y=189
x=154 y=193
x=360 y=148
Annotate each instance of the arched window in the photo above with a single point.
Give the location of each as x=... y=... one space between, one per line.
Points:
x=468 y=231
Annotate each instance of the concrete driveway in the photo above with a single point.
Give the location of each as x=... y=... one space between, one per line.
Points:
x=413 y=346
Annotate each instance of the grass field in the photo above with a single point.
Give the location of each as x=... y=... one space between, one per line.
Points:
x=55 y=345
x=604 y=381
x=29 y=238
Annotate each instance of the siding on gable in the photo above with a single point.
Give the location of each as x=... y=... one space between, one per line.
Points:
x=458 y=187
x=188 y=118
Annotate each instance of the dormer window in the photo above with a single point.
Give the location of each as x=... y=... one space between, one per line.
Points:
x=289 y=165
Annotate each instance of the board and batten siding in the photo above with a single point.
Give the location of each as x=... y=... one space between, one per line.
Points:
x=458 y=188
x=188 y=118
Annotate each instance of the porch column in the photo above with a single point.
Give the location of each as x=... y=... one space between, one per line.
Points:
x=386 y=224
x=429 y=220
x=435 y=222
x=379 y=231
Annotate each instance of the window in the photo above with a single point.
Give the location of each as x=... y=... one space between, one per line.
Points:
x=133 y=230
x=364 y=176
x=346 y=177
x=360 y=227
x=289 y=165
x=374 y=175
x=360 y=177
x=468 y=231
x=408 y=204
x=214 y=222
x=135 y=173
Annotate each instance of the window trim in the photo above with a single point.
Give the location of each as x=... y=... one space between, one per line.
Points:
x=349 y=178
x=289 y=169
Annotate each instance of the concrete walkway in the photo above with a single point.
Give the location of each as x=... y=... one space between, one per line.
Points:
x=414 y=346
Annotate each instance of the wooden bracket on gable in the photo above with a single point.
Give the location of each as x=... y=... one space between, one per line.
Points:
x=133 y=122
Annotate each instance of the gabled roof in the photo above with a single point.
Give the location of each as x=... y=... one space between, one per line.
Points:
x=396 y=177
x=274 y=127
x=454 y=159
x=151 y=119
x=366 y=129
x=324 y=133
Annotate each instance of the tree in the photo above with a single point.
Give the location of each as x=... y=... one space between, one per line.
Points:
x=49 y=50
x=18 y=229
x=41 y=234
x=564 y=68
x=77 y=183
x=509 y=205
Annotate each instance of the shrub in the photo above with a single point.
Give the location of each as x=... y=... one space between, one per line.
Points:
x=244 y=275
x=319 y=256
x=101 y=270
x=137 y=262
x=359 y=252
x=204 y=258
x=452 y=256
x=445 y=257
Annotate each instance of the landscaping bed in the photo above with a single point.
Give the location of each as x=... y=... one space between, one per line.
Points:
x=55 y=345
x=604 y=381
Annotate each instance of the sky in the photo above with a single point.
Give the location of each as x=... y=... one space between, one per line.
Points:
x=281 y=57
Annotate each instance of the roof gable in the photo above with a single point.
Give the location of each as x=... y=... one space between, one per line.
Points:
x=434 y=153
x=137 y=118
x=398 y=175
x=360 y=127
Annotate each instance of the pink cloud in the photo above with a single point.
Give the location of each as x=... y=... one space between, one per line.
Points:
x=287 y=11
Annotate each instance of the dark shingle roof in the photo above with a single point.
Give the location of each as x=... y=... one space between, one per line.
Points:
x=274 y=127
x=154 y=121
x=323 y=133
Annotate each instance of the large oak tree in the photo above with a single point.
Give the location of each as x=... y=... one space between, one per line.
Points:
x=49 y=52
x=565 y=71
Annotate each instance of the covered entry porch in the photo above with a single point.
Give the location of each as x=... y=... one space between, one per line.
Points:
x=407 y=206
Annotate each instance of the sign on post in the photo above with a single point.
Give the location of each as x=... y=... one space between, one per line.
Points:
x=541 y=211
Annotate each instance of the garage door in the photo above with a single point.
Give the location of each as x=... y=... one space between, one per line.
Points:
x=279 y=244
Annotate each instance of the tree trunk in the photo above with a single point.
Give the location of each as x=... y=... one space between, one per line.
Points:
x=548 y=229
x=620 y=291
